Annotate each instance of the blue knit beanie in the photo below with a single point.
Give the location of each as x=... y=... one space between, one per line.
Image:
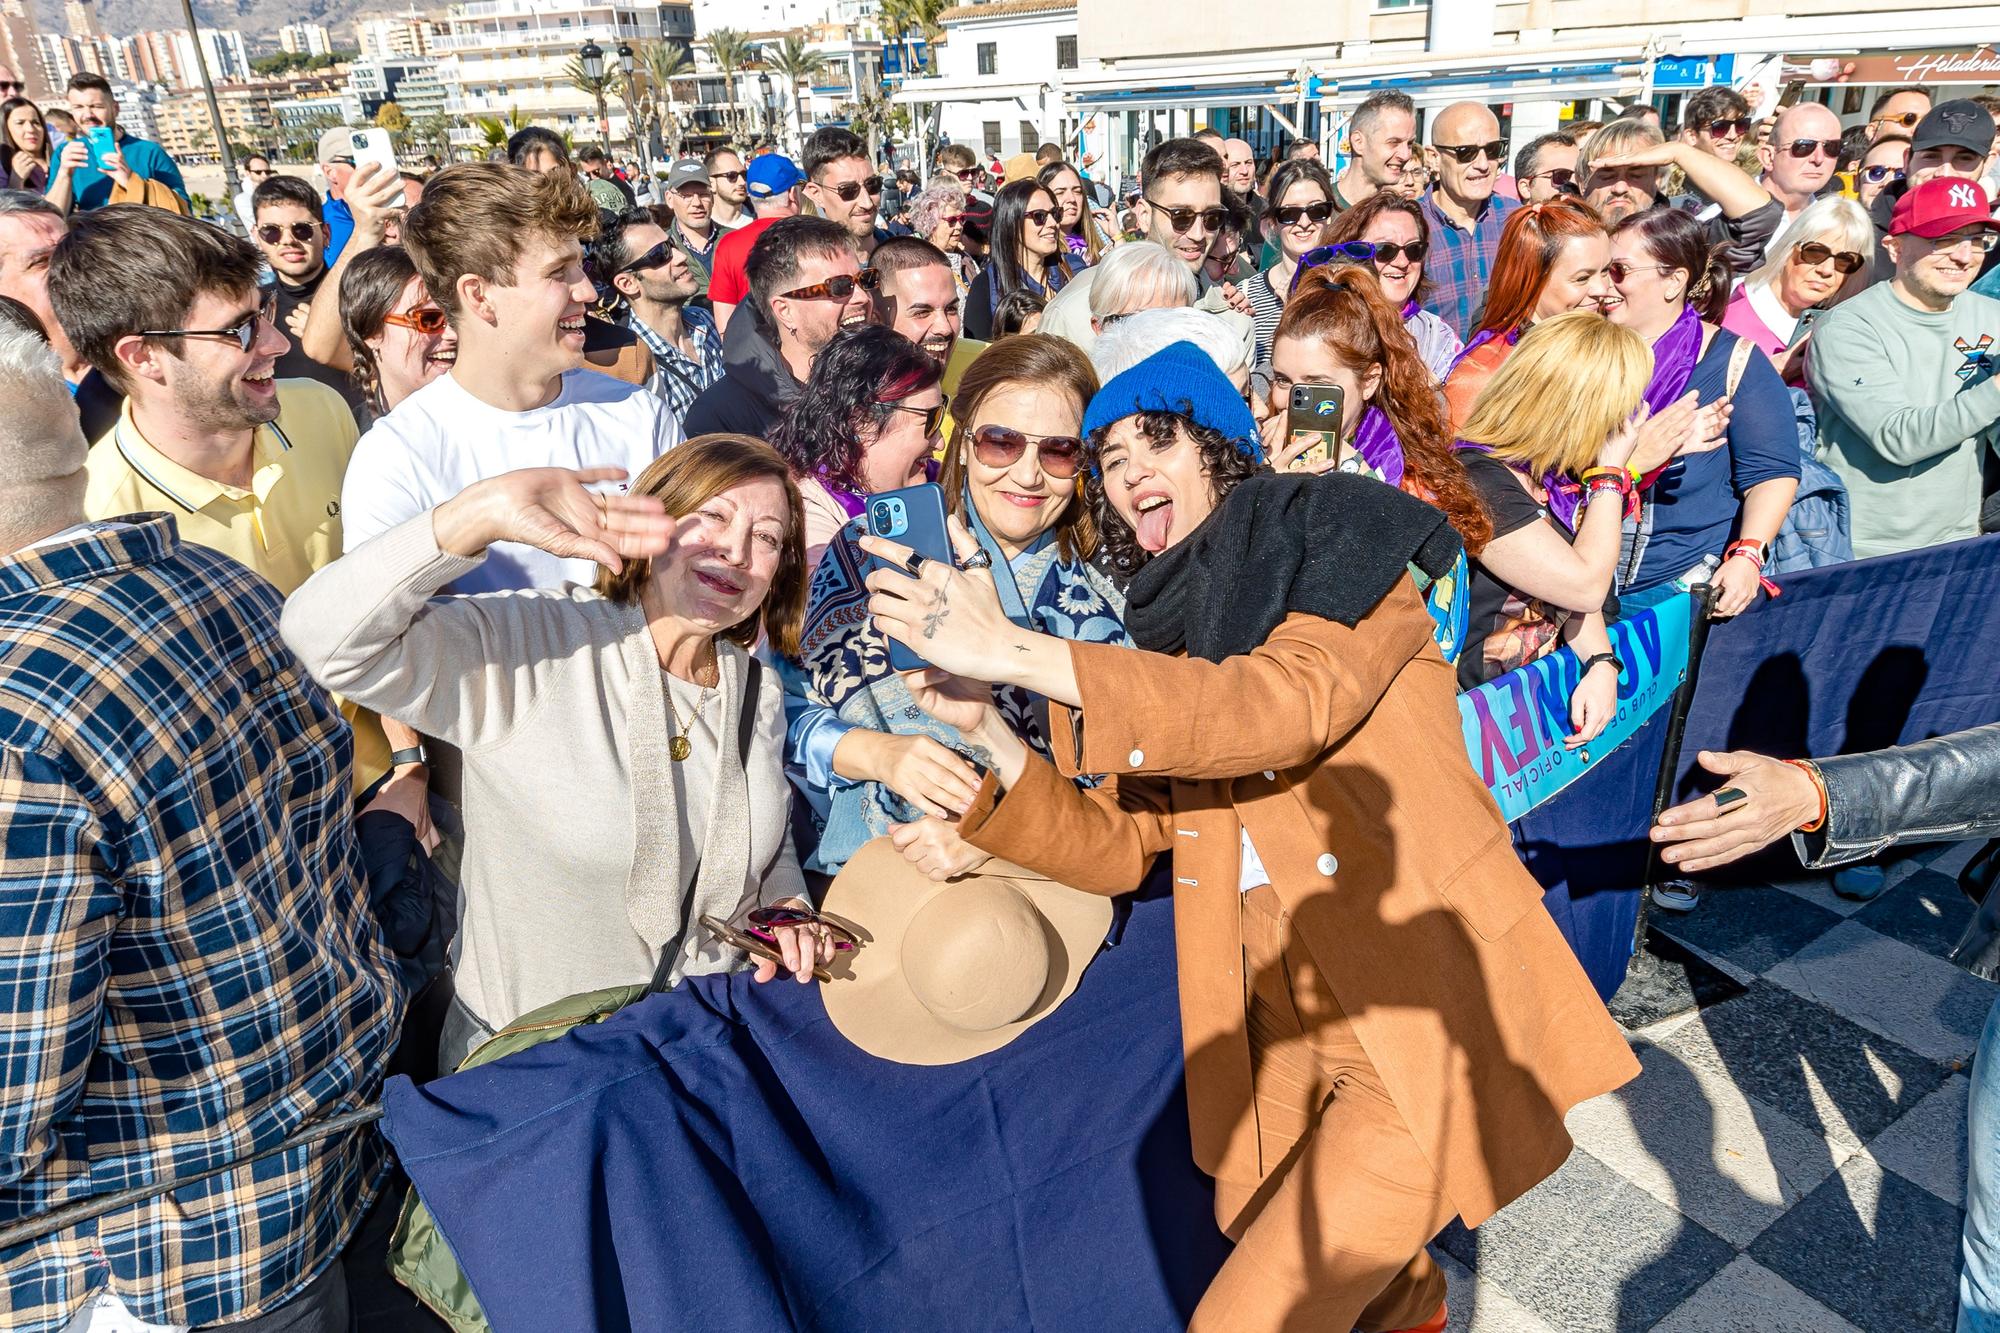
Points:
x=1179 y=378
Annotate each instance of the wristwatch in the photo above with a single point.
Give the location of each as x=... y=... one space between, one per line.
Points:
x=414 y=755
x=1589 y=662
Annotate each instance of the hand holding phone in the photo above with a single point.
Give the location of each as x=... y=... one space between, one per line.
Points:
x=1312 y=422
x=913 y=516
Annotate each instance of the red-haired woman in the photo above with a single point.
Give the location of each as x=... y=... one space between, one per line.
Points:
x=1339 y=328
x=1553 y=258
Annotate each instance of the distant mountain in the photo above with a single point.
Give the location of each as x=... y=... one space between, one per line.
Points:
x=258 y=19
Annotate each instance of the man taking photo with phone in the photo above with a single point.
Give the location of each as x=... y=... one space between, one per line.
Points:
x=115 y=156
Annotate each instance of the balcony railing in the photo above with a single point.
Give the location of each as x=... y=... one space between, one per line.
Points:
x=501 y=39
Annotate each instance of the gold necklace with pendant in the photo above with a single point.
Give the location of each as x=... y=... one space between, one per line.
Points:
x=679 y=747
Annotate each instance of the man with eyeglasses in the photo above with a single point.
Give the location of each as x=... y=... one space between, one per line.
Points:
x=692 y=199
x=1903 y=375
x=1465 y=216
x=1716 y=120
x=290 y=230
x=1883 y=165
x=638 y=260
x=256 y=170
x=806 y=285
x=956 y=161
x=248 y=464
x=732 y=197
x=1799 y=160
x=844 y=186
x=1951 y=141
x=1546 y=167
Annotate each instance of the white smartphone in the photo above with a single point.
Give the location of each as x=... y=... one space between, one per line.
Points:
x=373 y=145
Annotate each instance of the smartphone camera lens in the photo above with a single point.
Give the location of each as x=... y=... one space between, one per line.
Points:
x=881 y=517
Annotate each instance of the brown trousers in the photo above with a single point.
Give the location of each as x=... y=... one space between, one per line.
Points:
x=1334 y=1237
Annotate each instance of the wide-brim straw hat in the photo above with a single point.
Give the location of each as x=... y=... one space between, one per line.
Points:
x=950 y=971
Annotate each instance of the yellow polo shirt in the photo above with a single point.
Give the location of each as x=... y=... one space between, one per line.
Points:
x=285 y=526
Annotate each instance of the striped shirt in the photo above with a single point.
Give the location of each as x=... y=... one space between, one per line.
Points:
x=1460 y=261
x=677 y=377
x=189 y=968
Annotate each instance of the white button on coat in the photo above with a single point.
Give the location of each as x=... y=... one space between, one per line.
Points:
x=1136 y=758
x=1270 y=776
x=1327 y=863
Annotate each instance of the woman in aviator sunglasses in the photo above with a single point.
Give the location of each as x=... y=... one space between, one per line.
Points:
x=1028 y=254
x=1820 y=260
x=1011 y=477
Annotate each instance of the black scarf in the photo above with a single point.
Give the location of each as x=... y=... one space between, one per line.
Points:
x=1330 y=546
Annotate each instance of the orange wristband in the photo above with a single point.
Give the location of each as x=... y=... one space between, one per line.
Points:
x=1811 y=770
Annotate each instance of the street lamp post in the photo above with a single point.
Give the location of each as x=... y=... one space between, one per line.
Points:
x=230 y=182
x=770 y=116
x=592 y=56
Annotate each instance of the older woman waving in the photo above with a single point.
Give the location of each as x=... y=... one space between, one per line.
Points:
x=607 y=798
x=1010 y=474
x=1383 y=1027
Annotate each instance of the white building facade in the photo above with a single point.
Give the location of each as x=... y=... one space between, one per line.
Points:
x=305 y=39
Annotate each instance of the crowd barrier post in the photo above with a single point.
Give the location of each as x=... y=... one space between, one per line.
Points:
x=1670 y=762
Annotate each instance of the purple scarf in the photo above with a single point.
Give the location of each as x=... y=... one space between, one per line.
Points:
x=1375 y=440
x=1674 y=355
x=853 y=502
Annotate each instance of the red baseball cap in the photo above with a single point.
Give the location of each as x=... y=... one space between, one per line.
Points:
x=1940 y=206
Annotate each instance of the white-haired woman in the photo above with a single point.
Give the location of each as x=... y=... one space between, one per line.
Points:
x=1136 y=337
x=938 y=215
x=1820 y=260
x=1139 y=275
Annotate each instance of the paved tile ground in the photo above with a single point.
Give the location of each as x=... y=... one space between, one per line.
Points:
x=1791 y=1158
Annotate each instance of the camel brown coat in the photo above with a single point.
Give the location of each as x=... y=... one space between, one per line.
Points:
x=1339 y=750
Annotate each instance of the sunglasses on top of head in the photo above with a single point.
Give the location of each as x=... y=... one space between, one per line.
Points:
x=270 y=233
x=847 y=190
x=1463 y=153
x=838 y=287
x=1002 y=447
x=425 y=319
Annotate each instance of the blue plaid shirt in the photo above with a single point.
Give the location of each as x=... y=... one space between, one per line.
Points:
x=678 y=378
x=188 y=967
x=1460 y=262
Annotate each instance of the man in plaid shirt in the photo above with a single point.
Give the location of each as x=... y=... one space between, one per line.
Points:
x=1465 y=216
x=189 y=969
x=635 y=257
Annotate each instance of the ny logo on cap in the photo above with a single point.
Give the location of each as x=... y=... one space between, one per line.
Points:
x=1964 y=196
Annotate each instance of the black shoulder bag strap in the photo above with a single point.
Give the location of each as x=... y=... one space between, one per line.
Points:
x=746 y=731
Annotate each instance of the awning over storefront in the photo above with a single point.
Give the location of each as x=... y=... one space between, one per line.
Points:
x=1507 y=74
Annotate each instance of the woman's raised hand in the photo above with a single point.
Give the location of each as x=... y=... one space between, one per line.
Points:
x=1620 y=443
x=950 y=617
x=553 y=509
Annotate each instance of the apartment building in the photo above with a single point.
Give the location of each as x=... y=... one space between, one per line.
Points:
x=305 y=39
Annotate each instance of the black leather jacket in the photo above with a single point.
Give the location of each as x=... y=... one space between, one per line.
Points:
x=1941 y=790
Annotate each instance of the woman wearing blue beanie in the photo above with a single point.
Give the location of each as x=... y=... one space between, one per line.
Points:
x=1383 y=1028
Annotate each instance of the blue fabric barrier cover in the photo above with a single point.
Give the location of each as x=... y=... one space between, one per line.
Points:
x=720 y=1159
x=1853 y=657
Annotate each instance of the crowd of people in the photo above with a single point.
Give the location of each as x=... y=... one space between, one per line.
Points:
x=501 y=529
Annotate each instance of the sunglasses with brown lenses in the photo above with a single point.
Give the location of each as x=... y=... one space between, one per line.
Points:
x=1813 y=254
x=1002 y=446
x=428 y=320
x=836 y=288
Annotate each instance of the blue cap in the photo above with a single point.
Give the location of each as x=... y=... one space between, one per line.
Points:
x=771 y=175
x=1179 y=378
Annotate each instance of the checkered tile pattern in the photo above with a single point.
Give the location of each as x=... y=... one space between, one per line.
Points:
x=1792 y=1157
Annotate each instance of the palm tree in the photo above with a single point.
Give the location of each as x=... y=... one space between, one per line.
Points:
x=795 y=62
x=494 y=132
x=732 y=52
x=660 y=63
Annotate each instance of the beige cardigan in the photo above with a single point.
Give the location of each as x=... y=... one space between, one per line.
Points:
x=573 y=811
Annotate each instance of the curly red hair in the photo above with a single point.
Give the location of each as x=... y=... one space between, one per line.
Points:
x=1343 y=307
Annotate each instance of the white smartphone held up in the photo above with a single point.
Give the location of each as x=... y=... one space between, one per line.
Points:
x=373 y=145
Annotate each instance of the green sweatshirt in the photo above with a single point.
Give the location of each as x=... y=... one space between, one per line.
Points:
x=1908 y=401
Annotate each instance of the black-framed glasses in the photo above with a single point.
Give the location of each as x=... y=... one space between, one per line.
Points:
x=1875 y=175
x=1182 y=220
x=1293 y=214
x=1813 y=253
x=261 y=173
x=1803 y=148
x=838 y=287
x=999 y=446
x=1737 y=125
x=653 y=258
x=12 y=87
x=270 y=233
x=244 y=330
x=1463 y=153
x=725 y=175
x=847 y=190
x=933 y=416
x=1039 y=217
